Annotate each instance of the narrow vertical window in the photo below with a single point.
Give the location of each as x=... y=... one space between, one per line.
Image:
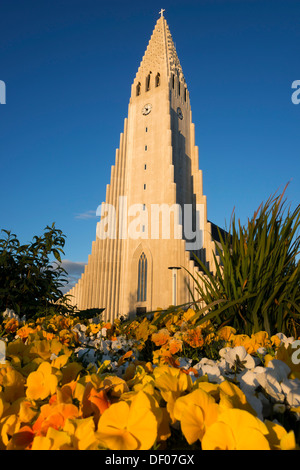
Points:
x=173 y=80
x=148 y=82
x=146 y=147
x=142 y=279
x=138 y=89
x=145 y=167
x=157 y=80
x=185 y=94
x=178 y=88
x=144 y=186
x=146 y=130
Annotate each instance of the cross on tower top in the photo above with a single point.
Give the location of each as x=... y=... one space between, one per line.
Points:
x=162 y=12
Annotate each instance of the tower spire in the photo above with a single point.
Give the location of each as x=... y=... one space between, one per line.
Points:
x=160 y=55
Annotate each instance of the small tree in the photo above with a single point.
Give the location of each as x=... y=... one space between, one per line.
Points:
x=31 y=276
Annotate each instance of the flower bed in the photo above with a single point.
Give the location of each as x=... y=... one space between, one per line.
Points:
x=160 y=383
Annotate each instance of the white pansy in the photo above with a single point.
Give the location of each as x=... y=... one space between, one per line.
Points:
x=291 y=388
x=213 y=373
x=87 y=355
x=9 y=314
x=262 y=351
x=271 y=386
x=210 y=368
x=284 y=340
x=248 y=379
x=105 y=346
x=120 y=343
x=80 y=330
x=184 y=362
x=238 y=353
x=278 y=369
x=272 y=377
x=248 y=384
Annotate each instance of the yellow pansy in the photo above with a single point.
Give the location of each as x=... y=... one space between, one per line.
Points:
x=148 y=386
x=93 y=329
x=288 y=441
x=114 y=386
x=41 y=348
x=27 y=411
x=8 y=426
x=41 y=443
x=70 y=372
x=82 y=432
x=226 y=333
x=60 y=361
x=172 y=383
x=279 y=438
x=267 y=359
x=17 y=348
x=189 y=316
x=241 y=340
x=129 y=426
x=45 y=348
x=24 y=332
x=138 y=377
x=231 y=396
x=236 y=430
x=276 y=341
x=161 y=337
x=2 y=406
x=54 y=440
x=54 y=416
x=196 y=412
x=12 y=383
x=144 y=330
x=41 y=383
x=60 y=440
x=261 y=340
x=211 y=388
x=22 y=439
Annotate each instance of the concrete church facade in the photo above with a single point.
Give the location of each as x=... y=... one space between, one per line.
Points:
x=155 y=214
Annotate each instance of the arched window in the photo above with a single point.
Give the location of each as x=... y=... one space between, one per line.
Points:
x=138 y=89
x=157 y=80
x=142 y=279
x=148 y=82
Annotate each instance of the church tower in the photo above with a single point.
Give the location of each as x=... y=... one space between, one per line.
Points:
x=154 y=217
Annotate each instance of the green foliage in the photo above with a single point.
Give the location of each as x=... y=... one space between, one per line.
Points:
x=90 y=313
x=30 y=281
x=257 y=276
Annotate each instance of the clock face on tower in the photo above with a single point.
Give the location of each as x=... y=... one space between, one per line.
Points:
x=179 y=113
x=147 y=109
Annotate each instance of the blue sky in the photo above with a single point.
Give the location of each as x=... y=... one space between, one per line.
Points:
x=68 y=66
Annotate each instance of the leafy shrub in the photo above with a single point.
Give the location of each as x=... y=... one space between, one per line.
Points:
x=257 y=278
x=30 y=281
